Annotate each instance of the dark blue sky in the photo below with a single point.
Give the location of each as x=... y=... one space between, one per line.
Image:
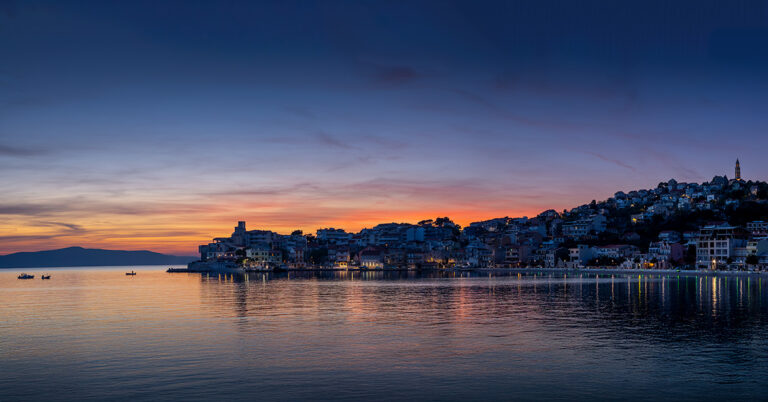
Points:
x=168 y=119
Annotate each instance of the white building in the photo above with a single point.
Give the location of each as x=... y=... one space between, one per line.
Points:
x=716 y=245
x=332 y=235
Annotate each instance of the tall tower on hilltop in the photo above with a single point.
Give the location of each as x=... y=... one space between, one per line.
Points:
x=738 y=170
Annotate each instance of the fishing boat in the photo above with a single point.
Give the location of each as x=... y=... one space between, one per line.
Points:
x=26 y=276
x=130 y=273
x=45 y=277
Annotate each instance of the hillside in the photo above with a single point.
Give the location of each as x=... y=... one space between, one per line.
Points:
x=78 y=256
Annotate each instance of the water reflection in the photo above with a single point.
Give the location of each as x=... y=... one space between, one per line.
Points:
x=666 y=298
x=383 y=335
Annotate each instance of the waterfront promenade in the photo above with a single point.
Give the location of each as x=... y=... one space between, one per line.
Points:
x=567 y=271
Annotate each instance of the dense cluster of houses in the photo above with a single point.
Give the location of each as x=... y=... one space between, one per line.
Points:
x=618 y=232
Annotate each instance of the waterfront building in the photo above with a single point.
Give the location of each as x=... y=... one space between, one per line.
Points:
x=579 y=256
x=555 y=257
x=715 y=245
x=665 y=251
x=371 y=258
x=517 y=254
x=614 y=251
x=415 y=259
x=339 y=257
x=262 y=254
x=479 y=254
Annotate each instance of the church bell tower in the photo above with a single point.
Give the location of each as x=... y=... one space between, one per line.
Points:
x=738 y=170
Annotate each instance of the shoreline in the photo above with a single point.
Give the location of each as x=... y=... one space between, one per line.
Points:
x=609 y=271
x=618 y=271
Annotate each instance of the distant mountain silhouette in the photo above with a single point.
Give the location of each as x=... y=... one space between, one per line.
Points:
x=81 y=257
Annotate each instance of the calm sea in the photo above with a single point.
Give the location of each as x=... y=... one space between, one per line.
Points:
x=94 y=333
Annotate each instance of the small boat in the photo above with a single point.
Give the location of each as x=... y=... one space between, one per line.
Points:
x=26 y=276
x=171 y=270
x=130 y=273
x=45 y=277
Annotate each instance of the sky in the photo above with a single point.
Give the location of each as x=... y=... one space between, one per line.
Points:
x=159 y=124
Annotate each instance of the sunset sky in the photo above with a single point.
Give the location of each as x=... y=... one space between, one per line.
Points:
x=157 y=125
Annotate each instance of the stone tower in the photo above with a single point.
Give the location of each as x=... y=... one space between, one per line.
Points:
x=738 y=170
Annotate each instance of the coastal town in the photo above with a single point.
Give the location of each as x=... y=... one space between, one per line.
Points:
x=717 y=225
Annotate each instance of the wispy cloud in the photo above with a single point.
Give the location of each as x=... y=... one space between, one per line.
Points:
x=9 y=150
x=71 y=226
x=26 y=238
x=503 y=113
x=618 y=90
x=85 y=205
x=396 y=75
x=616 y=162
x=270 y=190
x=27 y=209
x=674 y=164
x=332 y=141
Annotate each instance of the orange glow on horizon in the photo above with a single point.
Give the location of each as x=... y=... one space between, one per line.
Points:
x=181 y=233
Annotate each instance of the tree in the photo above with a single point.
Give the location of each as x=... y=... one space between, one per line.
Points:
x=690 y=255
x=284 y=253
x=318 y=255
x=240 y=253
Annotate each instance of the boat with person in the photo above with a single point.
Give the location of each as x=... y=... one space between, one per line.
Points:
x=131 y=273
x=45 y=277
x=26 y=276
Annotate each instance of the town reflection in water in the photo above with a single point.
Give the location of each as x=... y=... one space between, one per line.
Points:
x=716 y=306
x=383 y=336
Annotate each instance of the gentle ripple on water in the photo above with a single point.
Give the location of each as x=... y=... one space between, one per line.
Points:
x=95 y=334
